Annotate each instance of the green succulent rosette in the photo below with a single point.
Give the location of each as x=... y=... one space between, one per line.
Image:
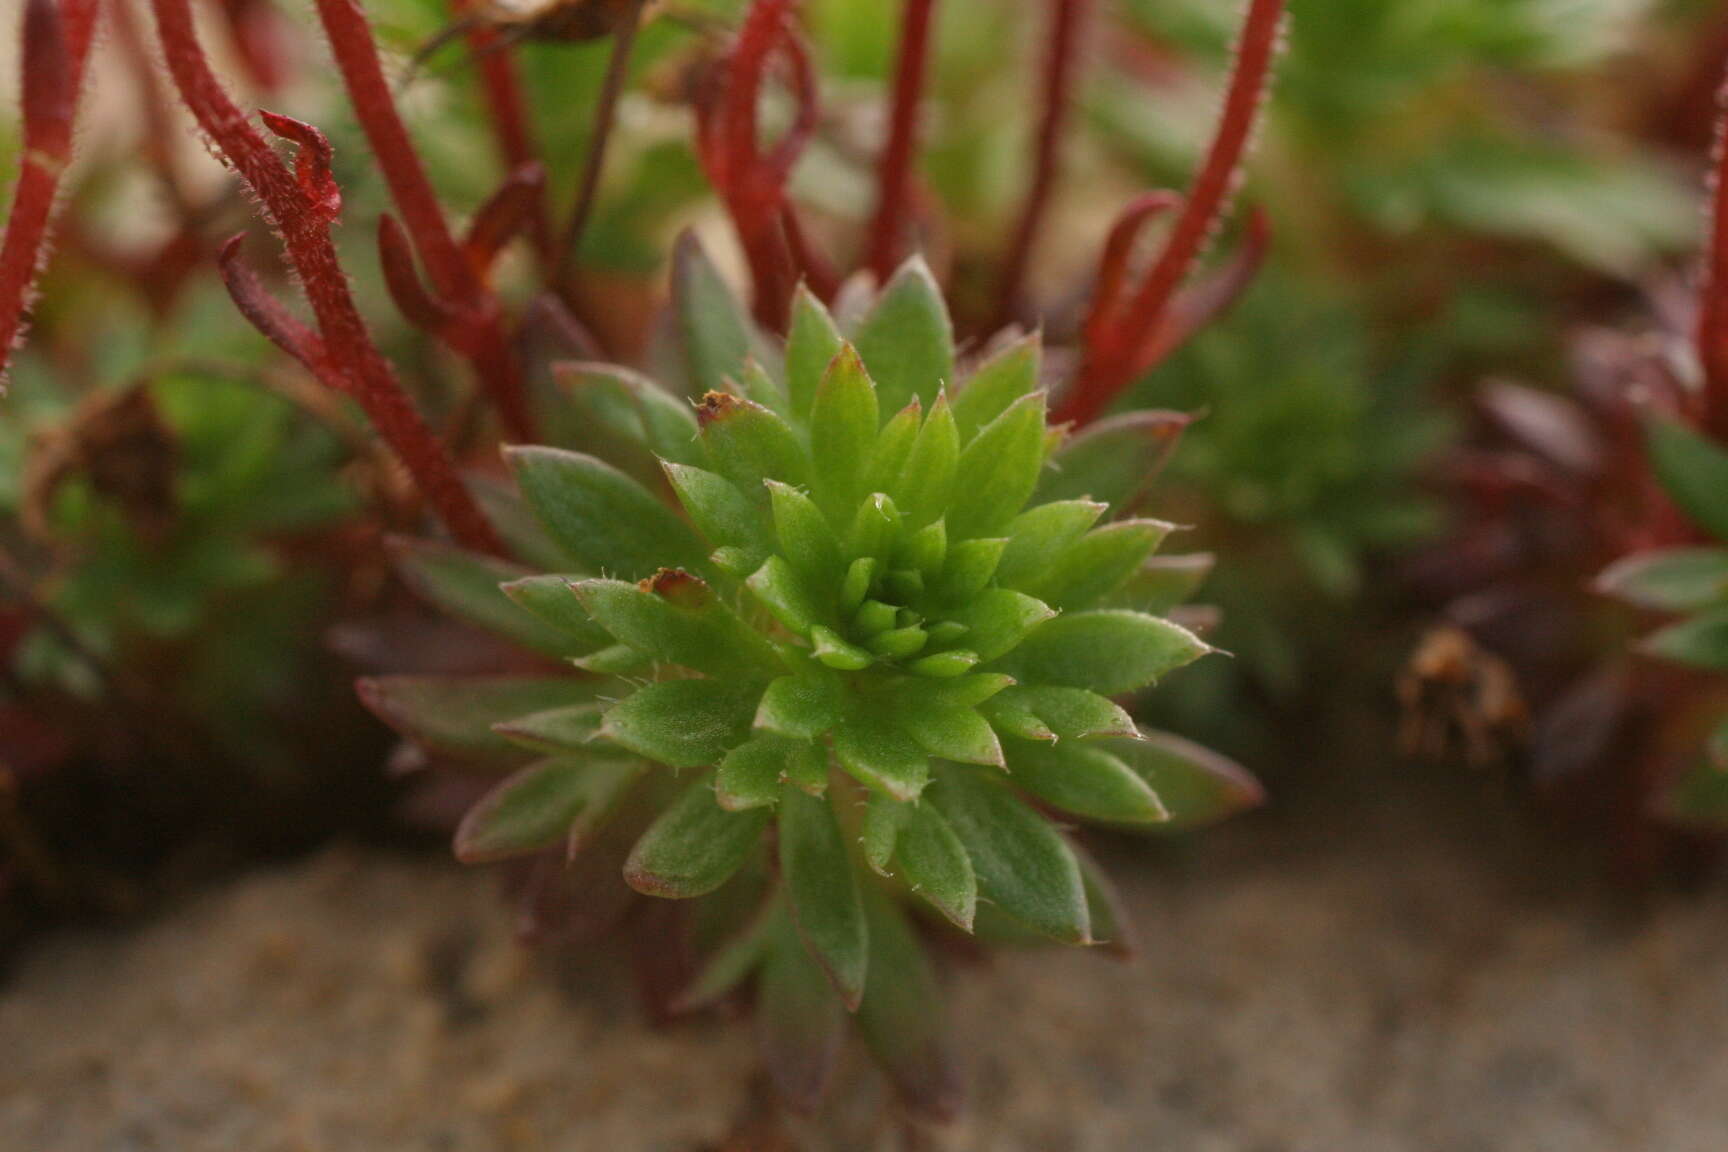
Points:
x=862 y=636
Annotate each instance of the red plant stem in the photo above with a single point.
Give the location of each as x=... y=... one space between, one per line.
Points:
x=55 y=41
x=508 y=110
x=894 y=174
x=454 y=278
x=1108 y=364
x=594 y=164
x=1066 y=20
x=1712 y=334
x=305 y=232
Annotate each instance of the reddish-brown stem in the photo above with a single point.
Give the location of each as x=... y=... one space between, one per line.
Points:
x=1066 y=20
x=1108 y=363
x=1712 y=334
x=303 y=221
x=894 y=173
x=54 y=43
x=508 y=111
x=452 y=276
x=594 y=164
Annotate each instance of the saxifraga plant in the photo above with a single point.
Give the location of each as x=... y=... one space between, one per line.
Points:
x=876 y=652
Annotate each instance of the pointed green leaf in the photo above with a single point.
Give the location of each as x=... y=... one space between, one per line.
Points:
x=1675 y=580
x=1694 y=470
x=539 y=806
x=625 y=418
x=806 y=540
x=843 y=426
x=1068 y=713
x=822 y=890
x=997 y=471
x=675 y=618
x=1023 y=865
x=753 y=773
x=1163 y=582
x=614 y=660
x=884 y=816
x=607 y=521
x=835 y=652
x=1701 y=641
x=712 y=327
x=749 y=444
x=1109 y=652
x=803 y=706
x=906 y=339
x=903 y=1019
x=694 y=846
x=927 y=481
x=800 y=1021
x=453 y=715
x=1084 y=779
x=959 y=734
x=720 y=511
x=552 y=600
x=784 y=593
x=997 y=620
x=811 y=345
x=730 y=964
x=876 y=751
x=1099 y=563
x=1038 y=535
x=944 y=665
x=682 y=723
x=1104 y=906
x=893 y=447
x=935 y=864
x=969 y=567
x=466 y=585
x=997 y=384
x=516 y=524
x=1114 y=460
x=1196 y=785
x=571 y=728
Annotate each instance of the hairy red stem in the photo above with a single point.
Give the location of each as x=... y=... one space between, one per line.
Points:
x=487 y=346
x=54 y=43
x=302 y=219
x=1066 y=20
x=894 y=173
x=1108 y=363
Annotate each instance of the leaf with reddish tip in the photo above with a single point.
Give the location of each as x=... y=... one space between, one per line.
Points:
x=822 y=891
x=418 y=306
x=800 y=1021
x=559 y=799
x=1023 y=865
x=903 y=1018
x=453 y=715
x=694 y=846
x=1115 y=460
x=272 y=320
x=311 y=163
x=1196 y=785
x=504 y=215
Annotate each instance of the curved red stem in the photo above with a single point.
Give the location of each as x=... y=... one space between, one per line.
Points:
x=894 y=174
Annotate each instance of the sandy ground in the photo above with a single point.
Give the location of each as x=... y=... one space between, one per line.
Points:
x=1380 y=980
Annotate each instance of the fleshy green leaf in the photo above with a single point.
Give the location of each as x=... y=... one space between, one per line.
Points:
x=1038 y=535
x=516 y=524
x=969 y=566
x=466 y=585
x=557 y=730
x=997 y=384
x=959 y=734
x=1701 y=641
x=720 y=511
x=1099 y=563
x=935 y=864
x=682 y=723
x=785 y=594
x=883 y=818
x=713 y=327
x=906 y=339
x=453 y=715
x=812 y=342
x=749 y=444
x=1677 y=580
x=552 y=600
x=558 y=799
x=878 y=753
x=823 y=892
x=1694 y=470
x=607 y=521
x=893 y=446
x=800 y=1021
x=1108 y=652
x=843 y=426
x=803 y=706
x=997 y=471
x=1196 y=785
x=730 y=964
x=1108 y=914
x=1083 y=779
x=997 y=620
x=753 y=773
x=835 y=652
x=675 y=618
x=927 y=481
x=1114 y=460
x=694 y=846
x=1068 y=713
x=806 y=540
x=1023 y=865
x=903 y=1019
x=614 y=408
x=1164 y=582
